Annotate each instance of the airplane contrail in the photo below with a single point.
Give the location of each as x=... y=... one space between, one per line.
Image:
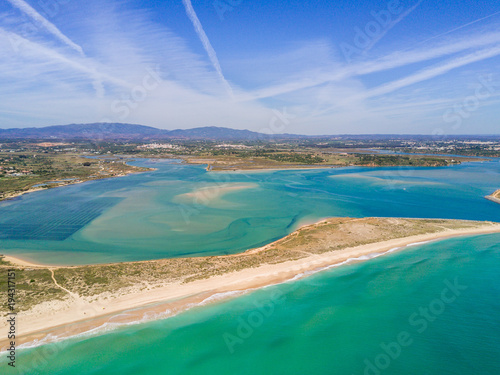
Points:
x=394 y=23
x=50 y=27
x=206 y=44
x=422 y=75
x=77 y=64
x=457 y=28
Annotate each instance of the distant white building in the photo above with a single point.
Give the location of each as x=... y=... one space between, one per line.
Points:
x=233 y=146
x=160 y=146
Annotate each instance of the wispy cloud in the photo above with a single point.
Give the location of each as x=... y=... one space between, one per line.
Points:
x=37 y=52
x=391 y=61
x=392 y=24
x=46 y=24
x=206 y=43
x=45 y=82
x=423 y=75
x=458 y=28
x=125 y=48
x=433 y=72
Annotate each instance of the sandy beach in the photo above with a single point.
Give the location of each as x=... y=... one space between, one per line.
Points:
x=75 y=315
x=495 y=197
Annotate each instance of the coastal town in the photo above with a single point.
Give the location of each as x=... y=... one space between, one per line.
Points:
x=26 y=165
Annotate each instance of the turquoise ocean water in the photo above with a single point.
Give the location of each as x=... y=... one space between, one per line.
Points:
x=155 y=215
x=341 y=321
x=431 y=309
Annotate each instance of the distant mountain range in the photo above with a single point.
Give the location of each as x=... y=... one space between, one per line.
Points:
x=119 y=131
x=125 y=132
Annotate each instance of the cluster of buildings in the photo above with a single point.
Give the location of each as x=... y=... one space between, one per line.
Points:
x=14 y=172
x=238 y=147
x=156 y=146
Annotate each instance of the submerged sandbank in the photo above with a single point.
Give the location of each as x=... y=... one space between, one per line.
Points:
x=212 y=194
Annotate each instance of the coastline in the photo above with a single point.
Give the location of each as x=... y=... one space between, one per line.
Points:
x=79 y=181
x=76 y=315
x=221 y=165
x=495 y=197
x=33 y=190
x=21 y=262
x=274 y=168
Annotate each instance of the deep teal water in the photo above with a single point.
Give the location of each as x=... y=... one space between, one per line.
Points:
x=152 y=215
x=431 y=309
x=335 y=322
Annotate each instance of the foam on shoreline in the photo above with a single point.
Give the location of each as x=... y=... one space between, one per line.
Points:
x=162 y=304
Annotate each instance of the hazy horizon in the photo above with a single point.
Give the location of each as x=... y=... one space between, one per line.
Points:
x=300 y=134
x=370 y=67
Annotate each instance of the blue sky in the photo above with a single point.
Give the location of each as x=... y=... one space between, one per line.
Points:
x=315 y=67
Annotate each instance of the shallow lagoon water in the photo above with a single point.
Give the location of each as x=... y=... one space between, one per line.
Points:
x=183 y=210
x=338 y=321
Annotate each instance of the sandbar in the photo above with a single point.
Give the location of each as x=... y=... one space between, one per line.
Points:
x=75 y=315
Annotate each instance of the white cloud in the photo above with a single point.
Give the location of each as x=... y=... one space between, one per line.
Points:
x=42 y=82
x=46 y=24
x=422 y=75
x=206 y=43
x=391 y=61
